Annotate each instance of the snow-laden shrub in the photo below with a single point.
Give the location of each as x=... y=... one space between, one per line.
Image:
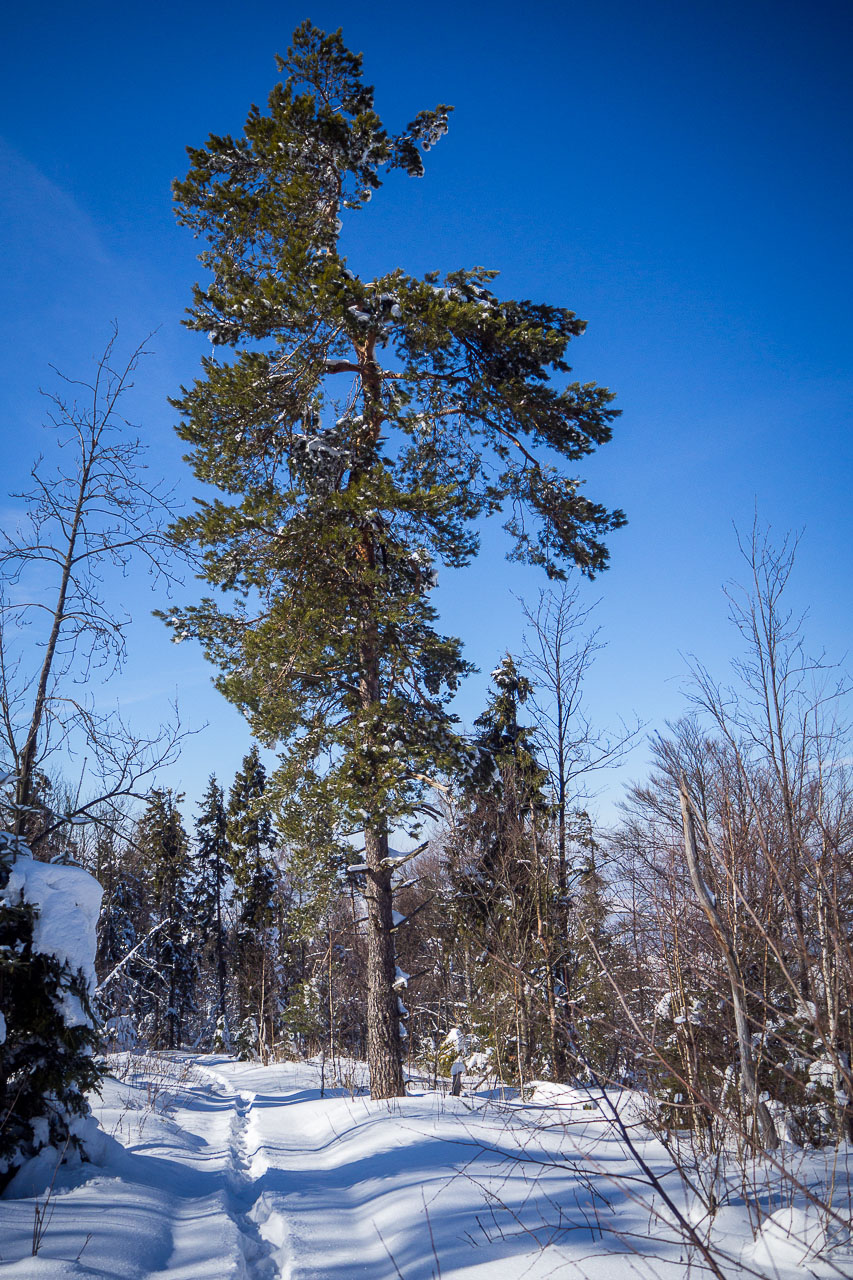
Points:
x=222 y=1035
x=803 y=1081
x=688 y=1049
x=303 y=1019
x=246 y=1041
x=120 y=1034
x=452 y=1049
x=48 y=1034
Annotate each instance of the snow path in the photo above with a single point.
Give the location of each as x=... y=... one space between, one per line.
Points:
x=237 y=1240
x=309 y=1199
x=219 y=1170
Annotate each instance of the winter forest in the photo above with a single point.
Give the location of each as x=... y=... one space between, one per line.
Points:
x=392 y=999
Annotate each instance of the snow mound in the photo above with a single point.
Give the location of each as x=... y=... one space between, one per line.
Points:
x=794 y=1235
x=631 y=1106
x=51 y=1269
x=67 y=901
x=36 y=1175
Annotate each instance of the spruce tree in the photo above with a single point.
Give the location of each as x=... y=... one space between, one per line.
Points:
x=347 y=474
x=162 y=837
x=506 y=748
x=504 y=799
x=591 y=958
x=251 y=839
x=209 y=890
x=128 y=916
x=117 y=937
x=503 y=882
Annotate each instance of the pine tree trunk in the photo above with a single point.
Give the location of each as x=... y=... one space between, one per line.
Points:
x=384 y=1054
x=384 y=1050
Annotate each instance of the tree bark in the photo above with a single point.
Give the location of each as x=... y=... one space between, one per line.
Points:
x=384 y=1049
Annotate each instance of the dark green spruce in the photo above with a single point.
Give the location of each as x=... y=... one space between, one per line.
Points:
x=161 y=836
x=251 y=839
x=357 y=429
x=210 y=888
x=500 y=871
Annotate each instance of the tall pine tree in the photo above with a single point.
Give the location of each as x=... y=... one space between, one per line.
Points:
x=347 y=474
x=122 y=960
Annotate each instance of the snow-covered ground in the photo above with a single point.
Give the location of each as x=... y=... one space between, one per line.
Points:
x=213 y=1169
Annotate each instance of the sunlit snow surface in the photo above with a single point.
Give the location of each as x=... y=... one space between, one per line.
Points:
x=216 y=1169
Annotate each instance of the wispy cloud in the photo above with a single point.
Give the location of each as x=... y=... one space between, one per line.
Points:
x=38 y=214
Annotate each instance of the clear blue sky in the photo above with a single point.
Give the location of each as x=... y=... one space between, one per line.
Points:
x=678 y=174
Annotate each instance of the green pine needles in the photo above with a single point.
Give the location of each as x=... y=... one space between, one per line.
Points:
x=357 y=431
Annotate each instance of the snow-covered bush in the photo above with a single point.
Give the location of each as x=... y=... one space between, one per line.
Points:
x=48 y=1034
x=222 y=1036
x=452 y=1049
x=303 y=1019
x=804 y=1085
x=246 y=1041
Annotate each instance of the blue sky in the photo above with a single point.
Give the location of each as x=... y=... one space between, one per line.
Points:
x=679 y=175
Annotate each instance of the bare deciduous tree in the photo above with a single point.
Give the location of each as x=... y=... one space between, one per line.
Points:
x=783 y=727
x=86 y=523
x=559 y=649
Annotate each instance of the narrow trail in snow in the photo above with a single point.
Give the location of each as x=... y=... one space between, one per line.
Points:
x=222 y=1181
x=241 y=1195
x=284 y=1185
